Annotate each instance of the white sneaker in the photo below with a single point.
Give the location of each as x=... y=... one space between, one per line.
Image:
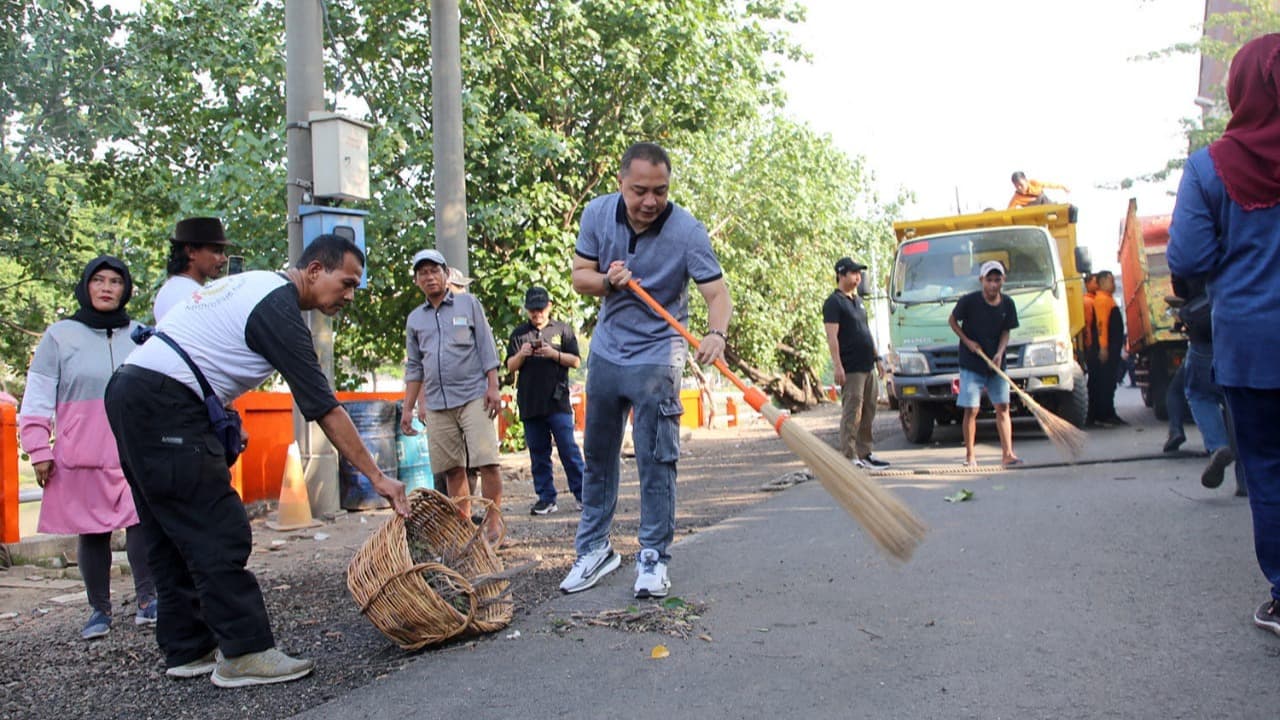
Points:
x=197 y=667
x=589 y=568
x=651 y=575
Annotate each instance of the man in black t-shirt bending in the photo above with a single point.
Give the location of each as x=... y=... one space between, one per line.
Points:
x=982 y=319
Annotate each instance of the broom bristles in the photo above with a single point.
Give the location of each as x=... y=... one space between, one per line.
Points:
x=889 y=522
x=1067 y=438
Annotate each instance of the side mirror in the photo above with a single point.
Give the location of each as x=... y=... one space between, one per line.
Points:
x=1084 y=263
x=865 y=287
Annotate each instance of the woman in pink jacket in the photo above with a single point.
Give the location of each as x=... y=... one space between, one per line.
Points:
x=85 y=492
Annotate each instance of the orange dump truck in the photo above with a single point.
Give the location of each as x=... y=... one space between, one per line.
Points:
x=1157 y=349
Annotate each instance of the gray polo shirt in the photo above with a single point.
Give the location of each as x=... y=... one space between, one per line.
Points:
x=664 y=258
x=450 y=349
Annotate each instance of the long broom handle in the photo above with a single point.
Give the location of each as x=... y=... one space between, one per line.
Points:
x=753 y=396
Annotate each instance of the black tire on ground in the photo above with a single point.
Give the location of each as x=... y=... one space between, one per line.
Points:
x=1158 y=389
x=1074 y=406
x=917 y=421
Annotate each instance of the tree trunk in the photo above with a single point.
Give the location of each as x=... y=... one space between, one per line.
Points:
x=708 y=402
x=782 y=388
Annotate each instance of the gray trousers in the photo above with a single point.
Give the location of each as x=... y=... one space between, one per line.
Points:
x=653 y=393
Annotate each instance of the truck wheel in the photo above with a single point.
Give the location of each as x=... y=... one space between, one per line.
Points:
x=917 y=421
x=1159 y=386
x=1074 y=406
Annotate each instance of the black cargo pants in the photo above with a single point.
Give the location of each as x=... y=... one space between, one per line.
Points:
x=198 y=536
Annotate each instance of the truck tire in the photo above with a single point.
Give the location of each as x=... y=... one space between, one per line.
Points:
x=917 y=421
x=1159 y=387
x=1074 y=406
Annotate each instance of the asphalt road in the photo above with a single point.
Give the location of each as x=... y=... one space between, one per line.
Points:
x=1116 y=588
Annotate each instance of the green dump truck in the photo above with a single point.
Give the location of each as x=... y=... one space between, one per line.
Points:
x=937 y=262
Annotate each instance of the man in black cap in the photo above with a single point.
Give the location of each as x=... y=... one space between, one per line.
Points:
x=543 y=350
x=853 y=355
x=197 y=254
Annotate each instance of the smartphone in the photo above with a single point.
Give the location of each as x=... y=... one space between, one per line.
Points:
x=235 y=264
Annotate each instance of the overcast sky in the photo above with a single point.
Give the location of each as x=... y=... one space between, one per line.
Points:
x=945 y=97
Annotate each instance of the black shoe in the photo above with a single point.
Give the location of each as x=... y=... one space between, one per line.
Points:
x=1174 y=442
x=1267 y=616
x=542 y=507
x=1218 y=462
x=1242 y=491
x=874 y=462
x=1116 y=420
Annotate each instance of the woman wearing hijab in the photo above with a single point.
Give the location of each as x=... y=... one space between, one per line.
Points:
x=1226 y=230
x=85 y=492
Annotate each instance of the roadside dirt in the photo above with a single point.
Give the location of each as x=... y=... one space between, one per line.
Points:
x=55 y=675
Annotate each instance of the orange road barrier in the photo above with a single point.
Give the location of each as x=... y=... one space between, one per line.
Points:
x=8 y=473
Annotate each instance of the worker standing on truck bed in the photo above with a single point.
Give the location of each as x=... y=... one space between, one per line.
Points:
x=1031 y=192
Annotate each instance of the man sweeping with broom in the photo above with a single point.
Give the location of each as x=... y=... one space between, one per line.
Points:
x=636 y=358
x=982 y=319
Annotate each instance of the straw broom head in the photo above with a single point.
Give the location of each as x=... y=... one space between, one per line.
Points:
x=889 y=522
x=1067 y=438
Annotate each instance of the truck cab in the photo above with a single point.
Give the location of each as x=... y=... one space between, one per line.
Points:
x=937 y=262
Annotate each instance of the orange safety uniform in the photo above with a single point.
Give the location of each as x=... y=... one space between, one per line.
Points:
x=1091 y=289
x=1103 y=306
x=1035 y=189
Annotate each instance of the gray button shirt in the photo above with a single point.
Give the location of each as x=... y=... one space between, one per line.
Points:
x=450 y=349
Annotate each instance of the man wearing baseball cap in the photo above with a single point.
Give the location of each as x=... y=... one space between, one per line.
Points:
x=542 y=351
x=452 y=355
x=197 y=254
x=982 y=319
x=853 y=355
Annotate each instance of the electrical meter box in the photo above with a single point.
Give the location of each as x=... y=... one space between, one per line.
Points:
x=343 y=222
x=339 y=157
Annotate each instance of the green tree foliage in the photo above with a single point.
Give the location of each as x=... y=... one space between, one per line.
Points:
x=782 y=204
x=56 y=105
x=1224 y=34
x=177 y=110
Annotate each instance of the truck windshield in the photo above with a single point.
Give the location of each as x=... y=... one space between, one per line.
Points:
x=933 y=269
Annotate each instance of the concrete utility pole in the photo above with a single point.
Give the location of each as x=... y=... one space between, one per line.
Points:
x=446 y=133
x=304 y=93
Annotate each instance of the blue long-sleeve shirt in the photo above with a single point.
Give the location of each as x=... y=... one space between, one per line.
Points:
x=1238 y=253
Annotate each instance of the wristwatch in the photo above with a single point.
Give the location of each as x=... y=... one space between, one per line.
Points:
x=721 y=334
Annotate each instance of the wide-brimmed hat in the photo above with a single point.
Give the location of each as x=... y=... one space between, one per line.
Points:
x=457 y=278
x=199 y=231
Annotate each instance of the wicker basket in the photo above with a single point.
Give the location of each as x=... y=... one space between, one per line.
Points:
x=394 y=593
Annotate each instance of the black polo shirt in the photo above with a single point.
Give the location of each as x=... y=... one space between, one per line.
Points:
x=542 y=385
x=857 y=347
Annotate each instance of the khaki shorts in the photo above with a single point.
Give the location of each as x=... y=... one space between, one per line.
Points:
x=461 y=437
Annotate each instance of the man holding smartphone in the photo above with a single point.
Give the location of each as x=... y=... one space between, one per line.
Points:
x=542 y=350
